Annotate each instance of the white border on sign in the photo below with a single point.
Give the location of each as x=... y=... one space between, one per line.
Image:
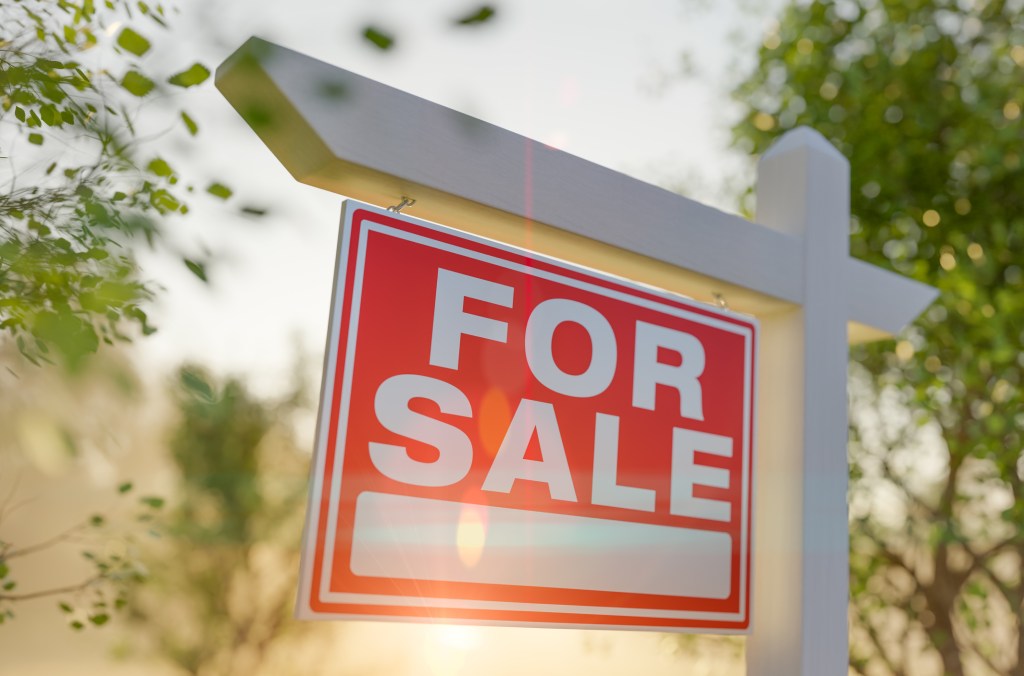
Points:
x=327 y=394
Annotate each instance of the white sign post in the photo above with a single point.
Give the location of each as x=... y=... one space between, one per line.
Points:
x=350 y=135
x=801 y=552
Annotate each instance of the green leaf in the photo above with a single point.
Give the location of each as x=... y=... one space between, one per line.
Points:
x=197 y=269
x=378 y=38
x=99 y=619
x=72 y=334
x=50 y=116
x=77 y=626
x=65 y=607
x=35 y=139
x=131 y=41
x=219 y=190
x=195 y=383
x=39 y=228
x=160 y=167
x=164 y=201
x=481 y=15
x=125 y=487
x=197 y=73
x=250 y=210
x=25 y=352
x=136 y=83
x=190 y=124
x=97 y=520
x=4 y=570
x=152 y=501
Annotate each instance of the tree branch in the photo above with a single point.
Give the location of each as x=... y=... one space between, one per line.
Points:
x=10 y=498
x=71 y=589
x=895 y=559
x=45 y=544
x=901 y=485
x=876 y=641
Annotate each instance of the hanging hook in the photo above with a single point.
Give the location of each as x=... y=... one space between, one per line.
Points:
x=406 y=202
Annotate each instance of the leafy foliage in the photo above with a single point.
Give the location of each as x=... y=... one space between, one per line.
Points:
x=62 y=431
x=112 y=553
x=224 y=576
x=77 y=196
x=924 y=97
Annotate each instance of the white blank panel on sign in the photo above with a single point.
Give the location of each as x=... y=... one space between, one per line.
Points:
x=422 y=539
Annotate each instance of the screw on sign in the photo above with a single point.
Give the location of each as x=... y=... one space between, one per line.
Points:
x=507 y=438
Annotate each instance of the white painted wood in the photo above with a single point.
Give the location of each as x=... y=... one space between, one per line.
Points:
x=801 y=542
x=343 y=132
x=883 y=296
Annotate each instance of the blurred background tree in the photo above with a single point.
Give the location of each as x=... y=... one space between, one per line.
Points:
x=925 y=98
x=220 y=599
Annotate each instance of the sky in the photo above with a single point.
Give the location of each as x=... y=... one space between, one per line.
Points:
x=641 y=87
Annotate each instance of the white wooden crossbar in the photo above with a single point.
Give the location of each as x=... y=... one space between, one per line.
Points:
x=340 y=131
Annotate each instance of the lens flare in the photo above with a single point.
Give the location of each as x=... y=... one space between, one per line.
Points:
x=494 y=418
x=471 y=535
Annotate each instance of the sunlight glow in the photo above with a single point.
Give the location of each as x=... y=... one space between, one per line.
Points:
x=457 y=636
x=446 y=648
x=471 y=535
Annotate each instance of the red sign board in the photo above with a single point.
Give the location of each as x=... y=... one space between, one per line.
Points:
x=506 y=438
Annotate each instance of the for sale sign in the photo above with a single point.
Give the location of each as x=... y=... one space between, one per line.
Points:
x=507 y=438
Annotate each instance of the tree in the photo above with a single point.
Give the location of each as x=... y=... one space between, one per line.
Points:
x=224 y=575
x=77 y=194
x=924 y=98
x=77 y=191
